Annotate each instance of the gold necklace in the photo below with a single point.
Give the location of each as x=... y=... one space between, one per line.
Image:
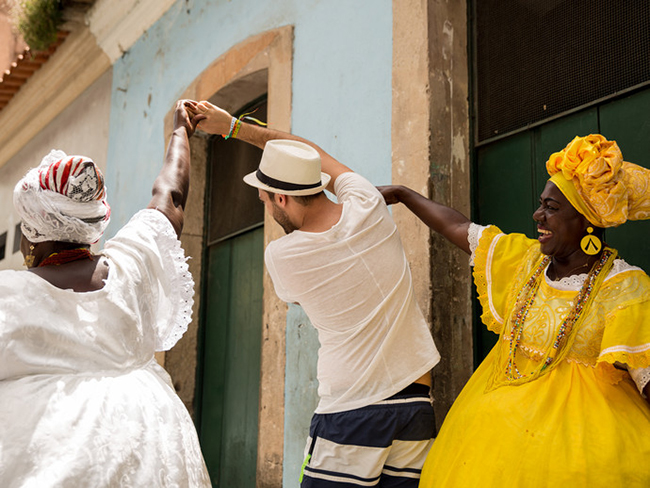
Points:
x=570 y=271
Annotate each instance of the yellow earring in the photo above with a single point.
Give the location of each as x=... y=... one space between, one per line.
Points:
x=29 y=259
x=590 y=244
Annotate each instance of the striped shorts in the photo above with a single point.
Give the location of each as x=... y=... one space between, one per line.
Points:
x=381 y=445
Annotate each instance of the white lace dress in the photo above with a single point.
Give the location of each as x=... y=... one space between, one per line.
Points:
x=83 y=403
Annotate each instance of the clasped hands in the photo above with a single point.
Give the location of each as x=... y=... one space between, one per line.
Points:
x=213 y=119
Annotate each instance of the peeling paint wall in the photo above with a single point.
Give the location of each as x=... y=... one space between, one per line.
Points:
x=431 y=155
x=341 y=107
x=451 y=281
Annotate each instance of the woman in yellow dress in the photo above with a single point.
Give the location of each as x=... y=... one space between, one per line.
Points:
x=562 y=398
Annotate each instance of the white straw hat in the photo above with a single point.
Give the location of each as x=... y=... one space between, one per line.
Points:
x=289 y=167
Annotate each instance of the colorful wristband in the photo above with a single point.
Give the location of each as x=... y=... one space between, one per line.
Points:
x=233 y=121
x=235 y=125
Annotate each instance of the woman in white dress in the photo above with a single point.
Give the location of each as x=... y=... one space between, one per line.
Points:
x=83 y=402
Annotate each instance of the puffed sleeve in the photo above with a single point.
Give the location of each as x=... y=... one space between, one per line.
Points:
x=499 y=260
x=626 y=338
x=150 y=262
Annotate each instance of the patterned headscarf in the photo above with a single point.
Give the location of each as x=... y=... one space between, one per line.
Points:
x=592 y=175
x=63 y=199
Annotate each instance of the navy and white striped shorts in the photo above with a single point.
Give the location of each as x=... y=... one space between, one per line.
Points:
x=380 y=445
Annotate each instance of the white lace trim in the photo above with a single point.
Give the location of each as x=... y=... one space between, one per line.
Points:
x=574 y=283
x=619 y=266
x=568 y=283
x=182 y=282
x=628 y=349
x=641 y=377
x=474 y=234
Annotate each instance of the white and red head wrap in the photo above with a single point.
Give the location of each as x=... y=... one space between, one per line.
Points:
x=63 y=199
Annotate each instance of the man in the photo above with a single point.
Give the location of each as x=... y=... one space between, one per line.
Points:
x=344 y=264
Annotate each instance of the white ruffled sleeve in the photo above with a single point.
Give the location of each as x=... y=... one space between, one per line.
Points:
x=641 y=377
x=473 y=236
x=150 y=263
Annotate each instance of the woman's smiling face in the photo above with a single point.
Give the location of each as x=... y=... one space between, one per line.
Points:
x=560 y=226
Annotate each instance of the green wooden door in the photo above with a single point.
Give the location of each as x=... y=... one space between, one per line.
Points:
x=231 y=359
x=626 y=121
x=228 y=379
x=511 y=174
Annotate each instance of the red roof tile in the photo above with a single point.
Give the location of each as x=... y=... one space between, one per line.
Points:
x=23 y=68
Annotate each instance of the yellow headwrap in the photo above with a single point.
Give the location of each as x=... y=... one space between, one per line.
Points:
x=592 y=175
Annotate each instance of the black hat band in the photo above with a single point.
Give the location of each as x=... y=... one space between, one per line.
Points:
x=283 y=185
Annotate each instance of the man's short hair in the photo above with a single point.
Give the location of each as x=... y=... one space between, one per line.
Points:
x=304 y=200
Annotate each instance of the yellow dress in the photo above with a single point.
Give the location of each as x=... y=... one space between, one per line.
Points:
x=584 y=423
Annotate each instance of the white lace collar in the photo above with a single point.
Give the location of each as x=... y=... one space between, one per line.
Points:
x=573 y=283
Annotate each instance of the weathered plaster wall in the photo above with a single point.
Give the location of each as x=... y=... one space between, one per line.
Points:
x=450 y=184
x=411 y=134
x=72 y=69
x=342 y=107
x=431 y=155
x=82 y=128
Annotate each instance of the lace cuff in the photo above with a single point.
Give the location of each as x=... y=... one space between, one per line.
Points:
x=473 y=236
x=641 y=377
x=180 y=289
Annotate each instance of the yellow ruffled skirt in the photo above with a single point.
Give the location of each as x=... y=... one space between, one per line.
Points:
x=572 y=427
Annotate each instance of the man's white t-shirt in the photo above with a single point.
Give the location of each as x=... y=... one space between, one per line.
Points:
x=354 y=283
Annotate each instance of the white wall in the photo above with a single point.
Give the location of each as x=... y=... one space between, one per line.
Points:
x=82 y=128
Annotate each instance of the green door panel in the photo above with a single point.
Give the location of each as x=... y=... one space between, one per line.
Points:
x=505 y=199
x=554 y=136
x=626 y=121
x=504 y=191
x=215 y=325
x=232 y=345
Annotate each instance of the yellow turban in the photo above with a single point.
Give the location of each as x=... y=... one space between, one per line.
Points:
x=592 y=175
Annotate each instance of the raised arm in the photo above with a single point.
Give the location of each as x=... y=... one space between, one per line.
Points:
x=171 y=186
x=218 y=121
x=446 y=221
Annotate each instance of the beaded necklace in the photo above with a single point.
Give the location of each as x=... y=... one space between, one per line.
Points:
x=67 y=256
x=525 y=299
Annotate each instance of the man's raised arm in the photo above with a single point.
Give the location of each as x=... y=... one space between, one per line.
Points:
x=218 y=121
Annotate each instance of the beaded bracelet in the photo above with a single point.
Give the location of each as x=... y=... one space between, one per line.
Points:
x=237 y=127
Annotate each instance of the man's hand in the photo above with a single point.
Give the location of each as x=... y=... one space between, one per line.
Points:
x=185 y=116
x=215 y=120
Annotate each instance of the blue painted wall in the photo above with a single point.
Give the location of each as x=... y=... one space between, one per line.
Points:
x=341 y=100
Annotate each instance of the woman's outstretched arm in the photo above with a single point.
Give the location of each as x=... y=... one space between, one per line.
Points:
x=446 y=221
